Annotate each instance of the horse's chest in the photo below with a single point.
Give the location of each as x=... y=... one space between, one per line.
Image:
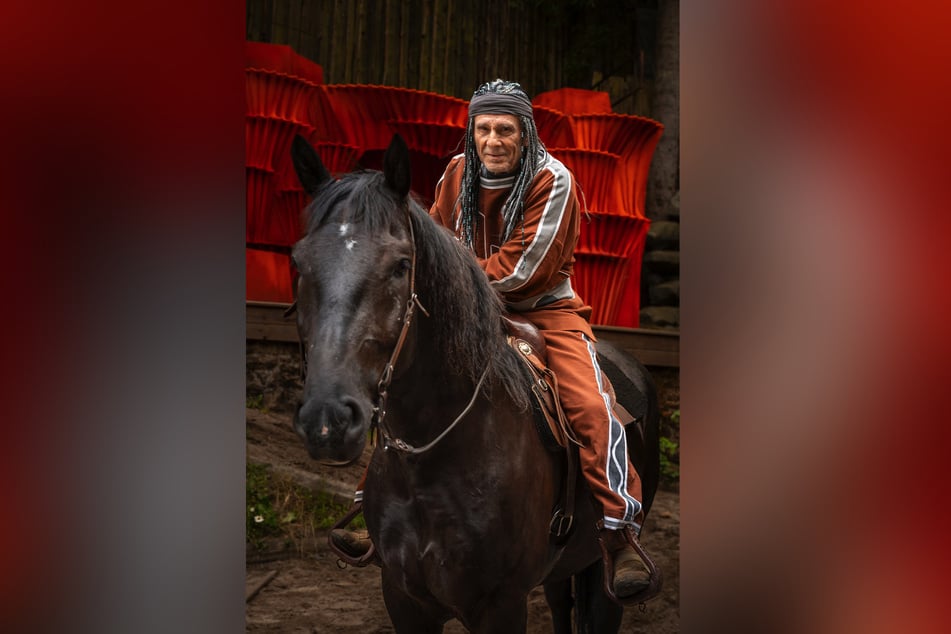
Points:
x=433 y=547
x=428 y=565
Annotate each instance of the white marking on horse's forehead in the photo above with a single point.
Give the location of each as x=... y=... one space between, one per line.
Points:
x=343 y=231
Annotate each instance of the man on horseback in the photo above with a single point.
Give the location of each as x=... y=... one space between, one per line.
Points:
x=516 y=208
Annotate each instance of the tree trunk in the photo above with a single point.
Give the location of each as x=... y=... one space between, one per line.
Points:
x=664 y=179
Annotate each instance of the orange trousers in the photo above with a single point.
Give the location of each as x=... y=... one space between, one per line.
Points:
x=588 y=400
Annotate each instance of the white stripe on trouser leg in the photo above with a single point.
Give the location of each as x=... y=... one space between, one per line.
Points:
x=358 y=496
x=617 y=464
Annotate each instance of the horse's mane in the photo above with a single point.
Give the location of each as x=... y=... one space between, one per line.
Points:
x=359 y=197
x=465 y=311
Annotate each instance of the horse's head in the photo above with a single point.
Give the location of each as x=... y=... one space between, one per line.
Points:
x=355 y=265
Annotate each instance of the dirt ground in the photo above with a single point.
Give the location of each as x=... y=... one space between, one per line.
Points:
x=305 y=591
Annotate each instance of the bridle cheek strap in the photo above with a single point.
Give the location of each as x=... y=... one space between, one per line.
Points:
x=379 y=411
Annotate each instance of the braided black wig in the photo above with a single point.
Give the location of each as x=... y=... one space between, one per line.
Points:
x=533 y=155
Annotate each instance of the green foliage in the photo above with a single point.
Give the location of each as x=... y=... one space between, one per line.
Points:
x=669 y=459
x=670 y=448
x=261 y=517
x=279 y=510
x=255 y=402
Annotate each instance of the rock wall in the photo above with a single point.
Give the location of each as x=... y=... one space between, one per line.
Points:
x=273 y=375
x=660 y=271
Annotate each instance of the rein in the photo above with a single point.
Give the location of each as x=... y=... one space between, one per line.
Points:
x=379 y=410
x=405 y=447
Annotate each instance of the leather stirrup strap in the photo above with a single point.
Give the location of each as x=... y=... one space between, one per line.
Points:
x=563 y=519
x=359 y=562
x=656 y=578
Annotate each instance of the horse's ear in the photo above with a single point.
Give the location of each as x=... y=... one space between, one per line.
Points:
x=310 y=169
x=396 y=166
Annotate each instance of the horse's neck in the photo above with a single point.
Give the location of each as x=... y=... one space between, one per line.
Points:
x=430 y=395
x=431 y=390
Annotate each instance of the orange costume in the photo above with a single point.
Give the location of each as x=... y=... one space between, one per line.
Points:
x=532 y=273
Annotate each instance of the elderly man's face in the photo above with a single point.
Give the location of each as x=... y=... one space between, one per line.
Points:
x=498 y=141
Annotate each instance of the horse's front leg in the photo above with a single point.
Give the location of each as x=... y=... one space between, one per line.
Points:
x=408 y=615
x=560 y=601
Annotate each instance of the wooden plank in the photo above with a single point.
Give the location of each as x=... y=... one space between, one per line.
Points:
x=265 y=321
x=650 y=347
x=251 y=591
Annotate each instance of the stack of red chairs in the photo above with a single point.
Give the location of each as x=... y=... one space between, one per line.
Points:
x=554 y=127
x=283 y=99
x=431 y=146
x=633 y=138
x=362 y=111
x=367 y=112
x=432 y=125
x=350 y=125
x=574 y=100
x=596 y=175
x=610 y=155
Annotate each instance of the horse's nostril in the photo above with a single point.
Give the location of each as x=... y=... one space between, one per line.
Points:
x=325 y=419
x=351 y=410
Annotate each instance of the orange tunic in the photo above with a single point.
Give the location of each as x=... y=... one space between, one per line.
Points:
x=532 y=273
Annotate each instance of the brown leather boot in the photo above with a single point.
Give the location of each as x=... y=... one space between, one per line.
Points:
x=352 y=547
x=356 y=544
x=631 y=574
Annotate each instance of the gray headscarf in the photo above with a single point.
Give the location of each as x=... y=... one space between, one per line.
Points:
x=499 y=97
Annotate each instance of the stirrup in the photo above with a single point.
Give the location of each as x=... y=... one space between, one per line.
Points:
x=365 y=559
x=656 y=578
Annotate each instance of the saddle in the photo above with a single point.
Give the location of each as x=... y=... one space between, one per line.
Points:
x=550 y=420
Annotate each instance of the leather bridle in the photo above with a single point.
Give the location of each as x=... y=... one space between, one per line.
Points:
x=379 y=410
x=386 y=377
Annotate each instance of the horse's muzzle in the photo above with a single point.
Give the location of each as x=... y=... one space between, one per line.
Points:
x=334 y=431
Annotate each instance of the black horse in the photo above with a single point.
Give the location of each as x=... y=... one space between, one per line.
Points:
x=401 y=331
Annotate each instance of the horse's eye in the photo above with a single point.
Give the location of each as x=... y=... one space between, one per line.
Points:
x=402 y=268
